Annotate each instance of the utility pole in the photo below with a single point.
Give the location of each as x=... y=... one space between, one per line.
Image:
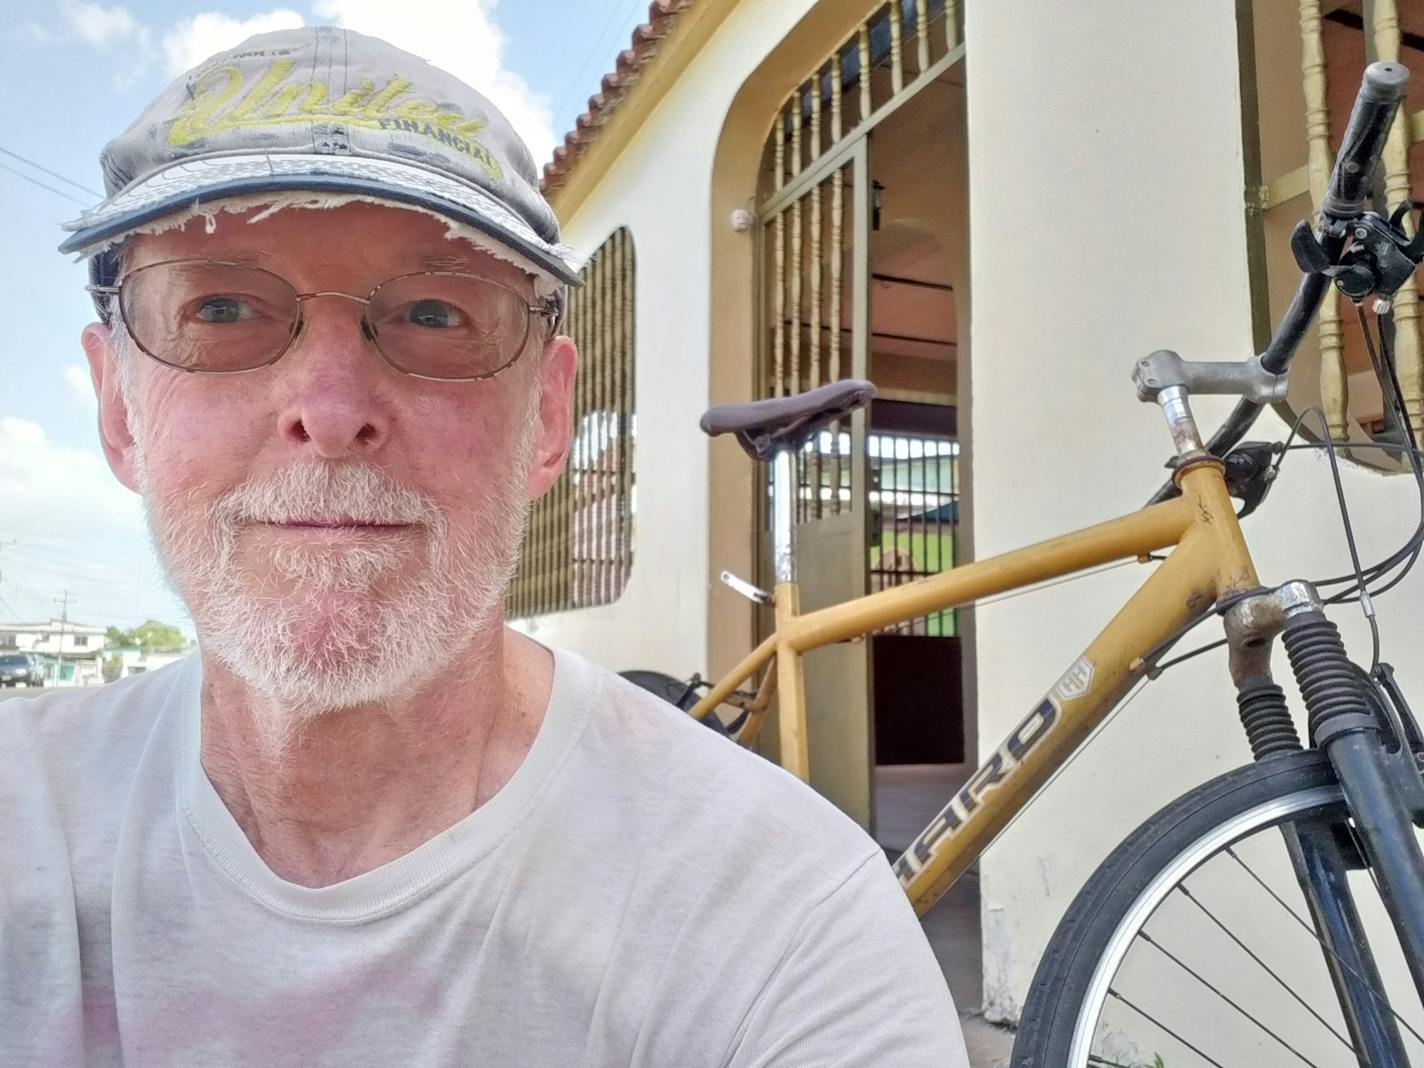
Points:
x=63 y=602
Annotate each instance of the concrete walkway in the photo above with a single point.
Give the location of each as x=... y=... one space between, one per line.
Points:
x=906 y=799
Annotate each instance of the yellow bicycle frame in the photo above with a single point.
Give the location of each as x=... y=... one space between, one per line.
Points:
x=1209 y=561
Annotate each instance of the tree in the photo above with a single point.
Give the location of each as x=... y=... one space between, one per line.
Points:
x=150 y=636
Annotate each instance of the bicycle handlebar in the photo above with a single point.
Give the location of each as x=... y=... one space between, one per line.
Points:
x=1379 y=98
x=1370 y=120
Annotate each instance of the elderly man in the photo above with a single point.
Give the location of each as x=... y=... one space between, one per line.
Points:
x=369 y=824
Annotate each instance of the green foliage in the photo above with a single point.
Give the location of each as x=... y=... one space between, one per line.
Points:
x=151 y=636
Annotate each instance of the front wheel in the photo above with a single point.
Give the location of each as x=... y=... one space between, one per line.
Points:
x=1193 y=943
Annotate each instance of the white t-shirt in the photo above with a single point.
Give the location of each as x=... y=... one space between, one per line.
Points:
x=641 y=892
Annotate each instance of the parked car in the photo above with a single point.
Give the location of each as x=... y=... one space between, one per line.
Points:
x=16 y=668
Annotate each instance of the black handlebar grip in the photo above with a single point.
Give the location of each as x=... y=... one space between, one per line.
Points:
x=1378 y=100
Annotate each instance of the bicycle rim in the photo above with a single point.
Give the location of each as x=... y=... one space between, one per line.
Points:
x=1262 y=817
x=1193 y=944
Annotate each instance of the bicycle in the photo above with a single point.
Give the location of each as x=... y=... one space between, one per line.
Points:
x=1346 y=801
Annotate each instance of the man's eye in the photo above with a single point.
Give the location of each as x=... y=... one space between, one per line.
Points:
x=223 y=310
x=435 y=314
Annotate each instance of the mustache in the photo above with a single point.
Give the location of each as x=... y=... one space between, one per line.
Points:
x=305 y=492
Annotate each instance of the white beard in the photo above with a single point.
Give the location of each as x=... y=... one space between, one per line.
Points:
x=329 y=638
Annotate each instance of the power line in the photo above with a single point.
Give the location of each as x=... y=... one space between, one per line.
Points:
x=36 y=181
x=600 y=47
x=114 y=567
x=53 y=174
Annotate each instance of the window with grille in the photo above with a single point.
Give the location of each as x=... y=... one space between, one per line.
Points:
x=578 y=548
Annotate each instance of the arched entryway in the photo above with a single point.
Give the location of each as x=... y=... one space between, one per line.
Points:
x=846 y=152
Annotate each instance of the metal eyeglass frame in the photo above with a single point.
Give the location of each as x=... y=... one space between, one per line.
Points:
x=549 y=311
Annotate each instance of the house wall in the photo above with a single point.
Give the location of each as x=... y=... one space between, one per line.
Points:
x=54 y=643
x=1115 y=138
x=1105 y=174
x=660 y=187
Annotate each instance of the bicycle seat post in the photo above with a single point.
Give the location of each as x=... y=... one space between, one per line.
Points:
x=783 y=516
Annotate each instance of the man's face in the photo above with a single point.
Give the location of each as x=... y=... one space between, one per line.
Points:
x=338 y=529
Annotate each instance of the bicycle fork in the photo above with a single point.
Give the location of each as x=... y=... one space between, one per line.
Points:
x=1382 y=795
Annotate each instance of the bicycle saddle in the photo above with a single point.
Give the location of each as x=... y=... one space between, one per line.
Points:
x=765 y=427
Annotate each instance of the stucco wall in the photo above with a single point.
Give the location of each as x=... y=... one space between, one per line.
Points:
x=660 y=188
x=1106 y=180
x=1112 y=134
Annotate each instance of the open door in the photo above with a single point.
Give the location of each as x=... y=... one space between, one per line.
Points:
x=815 y=314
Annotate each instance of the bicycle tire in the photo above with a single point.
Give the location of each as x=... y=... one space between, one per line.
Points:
x=1066 y=993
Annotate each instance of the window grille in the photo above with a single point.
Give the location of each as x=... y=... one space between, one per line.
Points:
x=578 y=548
x=898 y=44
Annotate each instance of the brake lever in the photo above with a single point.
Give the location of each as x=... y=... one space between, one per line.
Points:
x=1380 y=259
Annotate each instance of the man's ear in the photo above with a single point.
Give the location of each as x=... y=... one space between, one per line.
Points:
x=115 y=433
x=556 y=406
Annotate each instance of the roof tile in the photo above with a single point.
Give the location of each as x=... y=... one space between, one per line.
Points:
x=613 y=87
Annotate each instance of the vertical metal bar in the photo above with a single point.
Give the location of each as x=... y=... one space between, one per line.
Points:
x=625 y=427
x=815 y=84
x=833 y=372
x=571 y=532
x=1317 y=134
x=813 y=357
x=778 y=150
x=778 y=348
x=796 y=158
x=797 y=313
x=860 y=313
x=577 y=492
x=897 y=49
x=922 y=33
x=608 y=514
x=864 y=48
x=1396 y=185
x=600 y=475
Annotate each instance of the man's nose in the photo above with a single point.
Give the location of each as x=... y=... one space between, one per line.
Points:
x=334 y=382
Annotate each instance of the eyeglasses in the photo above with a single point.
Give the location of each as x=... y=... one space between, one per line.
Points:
x=215 y=318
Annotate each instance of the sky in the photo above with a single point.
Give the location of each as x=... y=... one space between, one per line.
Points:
x=77 y=73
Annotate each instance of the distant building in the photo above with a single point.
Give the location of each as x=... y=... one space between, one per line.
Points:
x=125 y=660
x=72 y=652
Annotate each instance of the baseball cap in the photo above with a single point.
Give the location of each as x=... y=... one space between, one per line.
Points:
x=324 y=110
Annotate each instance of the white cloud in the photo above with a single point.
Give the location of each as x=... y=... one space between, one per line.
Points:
x=113 y=30
x=100 y=26
x=68 y=525
x=193 y=40
x=470 y=45
x=49 y=488
x=81 y=388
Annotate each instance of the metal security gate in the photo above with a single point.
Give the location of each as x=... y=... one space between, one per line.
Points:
x=914 y=518
x=813 y=238
x=814 y=223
